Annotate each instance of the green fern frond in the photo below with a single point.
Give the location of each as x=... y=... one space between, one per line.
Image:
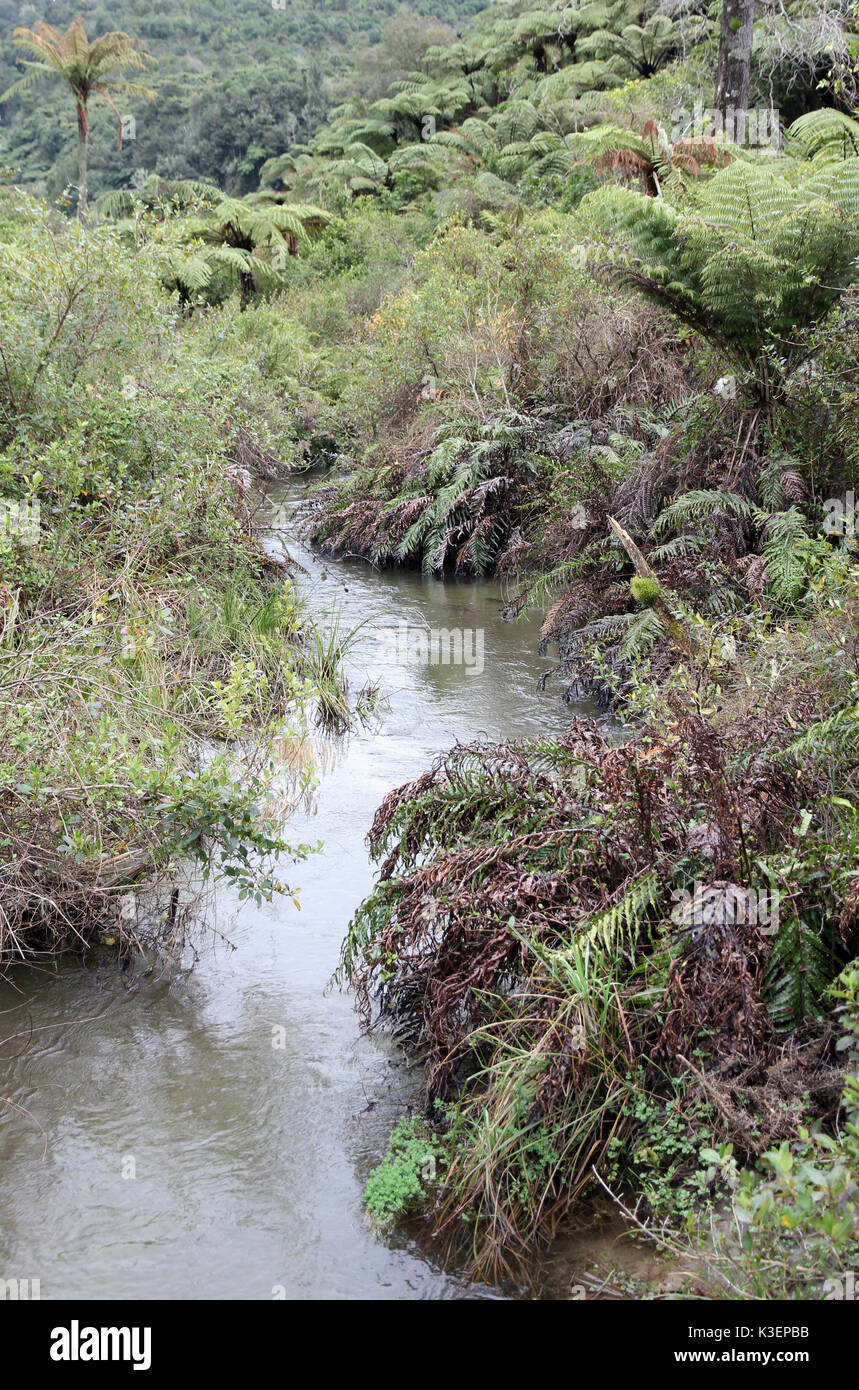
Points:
x=642 y=634
x=620 y=927
x=799 y=972
x=837 y=734
x=824 y=134
x=701 y=506
x=786 y=569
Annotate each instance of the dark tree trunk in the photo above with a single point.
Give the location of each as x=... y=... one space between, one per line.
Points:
x=247 y=288
x=735 y=55
x=83 y=139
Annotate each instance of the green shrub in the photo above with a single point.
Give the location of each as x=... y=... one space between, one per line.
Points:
x=402 y=1181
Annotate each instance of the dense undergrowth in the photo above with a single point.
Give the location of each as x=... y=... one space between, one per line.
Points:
x=150 y=648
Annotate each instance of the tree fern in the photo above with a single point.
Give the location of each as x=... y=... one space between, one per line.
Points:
x=824 y=135
x=678 y=548
x=640 y=49
x=763 y=252
x=642 y=634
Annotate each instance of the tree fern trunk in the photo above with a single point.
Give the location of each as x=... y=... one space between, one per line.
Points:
x=83 y=137
x=735 y=56
x=247 y=287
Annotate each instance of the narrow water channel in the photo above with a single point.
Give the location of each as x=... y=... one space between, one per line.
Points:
x=160 y=1142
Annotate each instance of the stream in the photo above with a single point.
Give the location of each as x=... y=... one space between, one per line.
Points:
x=207 y=1132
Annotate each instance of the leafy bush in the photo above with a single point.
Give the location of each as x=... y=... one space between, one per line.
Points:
x=401 y=1182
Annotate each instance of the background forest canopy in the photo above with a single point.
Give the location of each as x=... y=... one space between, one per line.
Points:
x=239 y=84
x=237 y=81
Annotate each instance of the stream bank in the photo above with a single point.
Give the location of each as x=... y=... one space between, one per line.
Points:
x=208 y=1132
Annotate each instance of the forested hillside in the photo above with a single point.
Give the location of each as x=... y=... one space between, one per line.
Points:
x=237 y=81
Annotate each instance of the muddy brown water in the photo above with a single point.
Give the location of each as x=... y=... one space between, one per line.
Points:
x=207 y=1132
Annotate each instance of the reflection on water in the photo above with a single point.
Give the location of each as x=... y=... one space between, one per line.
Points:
x=207 y=1133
